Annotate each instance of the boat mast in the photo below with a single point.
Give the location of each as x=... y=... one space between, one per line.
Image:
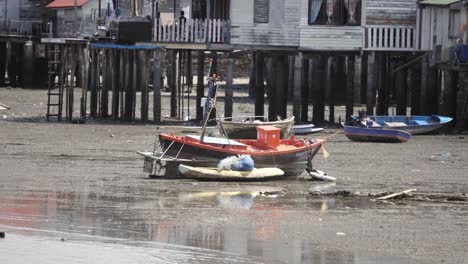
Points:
x=209 y=103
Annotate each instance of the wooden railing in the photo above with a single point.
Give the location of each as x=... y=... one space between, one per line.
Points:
x=193 y=31
x=25 y=28
x=391 y=38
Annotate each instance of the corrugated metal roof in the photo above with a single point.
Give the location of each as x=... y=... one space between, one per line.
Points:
x=66 y=3
x=439 y=2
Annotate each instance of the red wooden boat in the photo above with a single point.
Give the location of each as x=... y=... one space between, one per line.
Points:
x=268 y=150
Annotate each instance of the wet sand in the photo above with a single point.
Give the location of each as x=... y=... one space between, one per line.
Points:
x=84 y=183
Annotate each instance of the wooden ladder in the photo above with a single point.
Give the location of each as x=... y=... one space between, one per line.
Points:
x=55 y=89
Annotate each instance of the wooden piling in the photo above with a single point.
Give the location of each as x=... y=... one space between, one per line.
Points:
x=200 y=84
x=306 y=86
x=357 y=79
x=448 y=106
x=94 y=82
x=462 y=101
x=71 y=84
x=319 y=77
x=415 y=88
x=121 y=82
x=331 y=82
x=12 y=69
x=290 y=81
x=84 y=62
x=3 y=56
x=128 y=84
x=142 y=57
x=157 y=86
x=259 y=84
x=189 y=71
x=115 y=84
x=228 y=99
x=401 y=84
x=105 y=84
x=28 y=65
x=433 y=94
x=383 y=80
x=350 y=60
x=297 y=93
x=282 y=86
x=253 y=74
x=172 y=82
x=370 y=82
x=272 y=92
x=134 y=82
x=424 y=85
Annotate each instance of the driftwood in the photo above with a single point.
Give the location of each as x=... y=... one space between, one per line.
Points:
x=396 y=194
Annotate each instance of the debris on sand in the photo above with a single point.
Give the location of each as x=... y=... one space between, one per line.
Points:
x=4 y=107
x=388 y=197
x=341 y=193
x=395 y=195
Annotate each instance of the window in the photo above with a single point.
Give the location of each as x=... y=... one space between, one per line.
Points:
x=334 y=12
x=454 y=24
x=261 y=11
x=69 y=15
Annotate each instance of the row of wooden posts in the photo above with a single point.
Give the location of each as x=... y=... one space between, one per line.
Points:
x=113 y=75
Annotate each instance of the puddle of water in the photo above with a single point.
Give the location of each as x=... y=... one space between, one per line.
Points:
x=253 y=223
x=44 y=249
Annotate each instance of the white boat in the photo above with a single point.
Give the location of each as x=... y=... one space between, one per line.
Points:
x=305 y=129
x=205 y=173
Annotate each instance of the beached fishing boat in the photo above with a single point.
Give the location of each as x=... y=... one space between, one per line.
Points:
x=412 y=124
x=290 y=155
x=203 y=173
x=375 y=134
x=246 y=127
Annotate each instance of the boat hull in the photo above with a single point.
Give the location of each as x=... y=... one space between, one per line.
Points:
x=414 y=125
x=363 y=134
x=293 y=163
x=248 y=130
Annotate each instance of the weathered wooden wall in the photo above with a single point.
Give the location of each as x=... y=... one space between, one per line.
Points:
x=281 y=29
x=391 y=12
x=435 y=35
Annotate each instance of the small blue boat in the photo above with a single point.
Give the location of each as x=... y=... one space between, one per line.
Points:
x=412 y=124
x=375 y=134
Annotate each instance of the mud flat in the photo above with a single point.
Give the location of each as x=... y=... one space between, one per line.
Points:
x=82 y=185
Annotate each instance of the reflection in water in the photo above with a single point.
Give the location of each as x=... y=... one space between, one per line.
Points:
x=231 y=200
x=247 y=223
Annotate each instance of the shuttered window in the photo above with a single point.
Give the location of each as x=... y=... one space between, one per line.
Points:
x=261 y=11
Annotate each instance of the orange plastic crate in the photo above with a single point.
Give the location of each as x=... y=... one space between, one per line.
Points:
x=268 y=135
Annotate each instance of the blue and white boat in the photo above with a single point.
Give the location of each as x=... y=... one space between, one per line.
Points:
x=375 y=134
x=412 y=124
